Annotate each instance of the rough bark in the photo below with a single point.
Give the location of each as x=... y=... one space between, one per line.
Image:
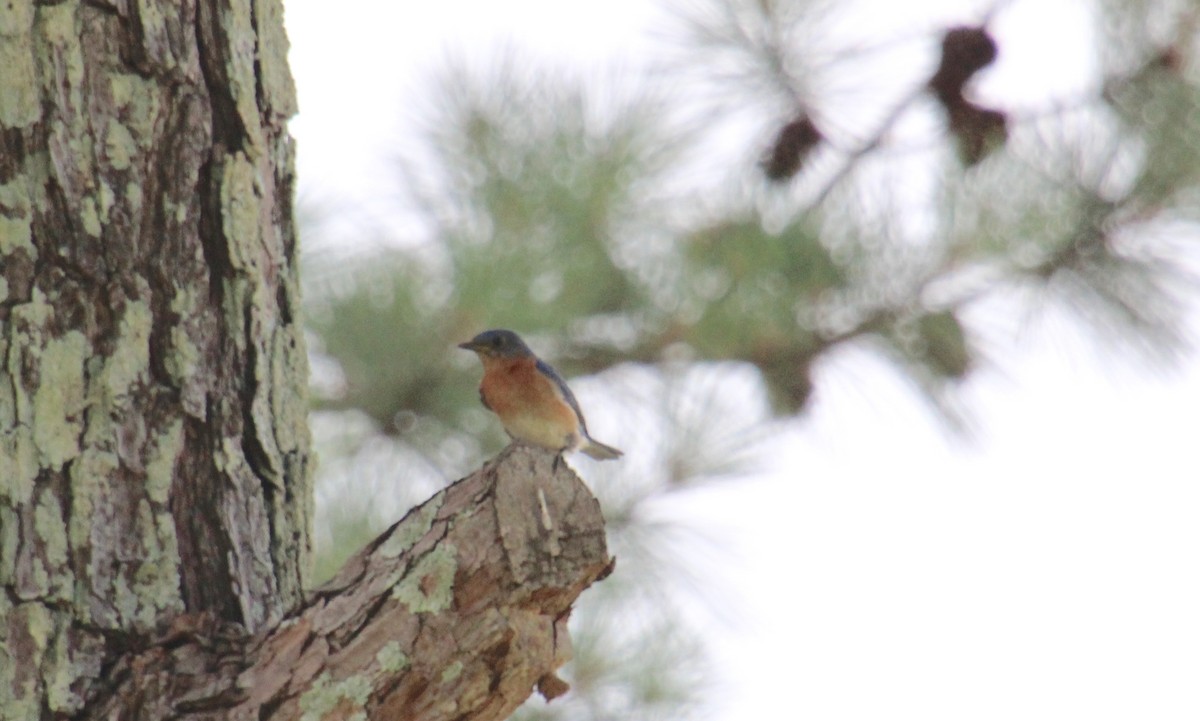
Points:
x=153 y=442
x=456 y=612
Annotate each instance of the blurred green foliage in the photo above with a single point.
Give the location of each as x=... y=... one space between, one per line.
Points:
x=604 y=220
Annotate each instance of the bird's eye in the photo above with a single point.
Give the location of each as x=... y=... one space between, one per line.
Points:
x=497 y=341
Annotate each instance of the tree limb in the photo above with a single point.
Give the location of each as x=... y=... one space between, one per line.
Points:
x=455 y=612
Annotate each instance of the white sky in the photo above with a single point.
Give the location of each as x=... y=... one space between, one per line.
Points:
x=1047 y=570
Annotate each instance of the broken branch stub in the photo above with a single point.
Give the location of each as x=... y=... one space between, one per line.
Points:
x=456 y=612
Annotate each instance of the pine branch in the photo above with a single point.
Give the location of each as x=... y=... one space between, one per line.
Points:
x=456 y=612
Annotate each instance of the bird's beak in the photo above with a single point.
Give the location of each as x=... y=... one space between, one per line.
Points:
x=469 y=345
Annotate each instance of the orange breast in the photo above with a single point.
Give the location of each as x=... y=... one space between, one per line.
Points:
x=528 y=403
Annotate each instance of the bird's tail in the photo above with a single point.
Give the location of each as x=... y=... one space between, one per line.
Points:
x=601 y=452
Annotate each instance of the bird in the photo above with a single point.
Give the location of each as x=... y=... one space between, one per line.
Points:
x=532 y=400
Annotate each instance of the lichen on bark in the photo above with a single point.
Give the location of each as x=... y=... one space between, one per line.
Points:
x=457 y=625
x=153 y=449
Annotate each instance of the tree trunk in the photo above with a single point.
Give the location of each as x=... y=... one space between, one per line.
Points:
x=154 y=455
x=152 y=390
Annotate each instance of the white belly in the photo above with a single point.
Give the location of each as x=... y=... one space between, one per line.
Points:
x=541 y=432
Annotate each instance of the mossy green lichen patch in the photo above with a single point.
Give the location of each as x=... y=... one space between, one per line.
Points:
x=59 y=400
x=59 y=26
x=107 y=197
x=183 y=360
x=17 y=18
x=63 y=90
x=18 y=83
x=18 y=465
x=134 y=581
x=119 y=145
x=68 y=659
x=268 y=387
x=237 y=21
x=289 y=404
x=391 y=658
x=89 y=474
x=240 y=206
x=133 y=196
x=38 y=622
x=427 y=587
x=59 y=23
x=452 y=672
x=130 y=360
x=277 y=85
x=121 y=88
x=325 y=695
x=123 y=599
x=16 y=220
x=160 y=465
x=138 y=99
x=89 y=215
x=10 y=541
x=51 y=530
x=156 y=577
x=228 y=459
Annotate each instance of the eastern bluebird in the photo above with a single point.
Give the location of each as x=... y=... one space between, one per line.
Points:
x=533 y=401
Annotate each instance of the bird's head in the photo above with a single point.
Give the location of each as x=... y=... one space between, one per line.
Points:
x=497 y=344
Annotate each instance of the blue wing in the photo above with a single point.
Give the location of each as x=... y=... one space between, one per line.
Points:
x=545 y=369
